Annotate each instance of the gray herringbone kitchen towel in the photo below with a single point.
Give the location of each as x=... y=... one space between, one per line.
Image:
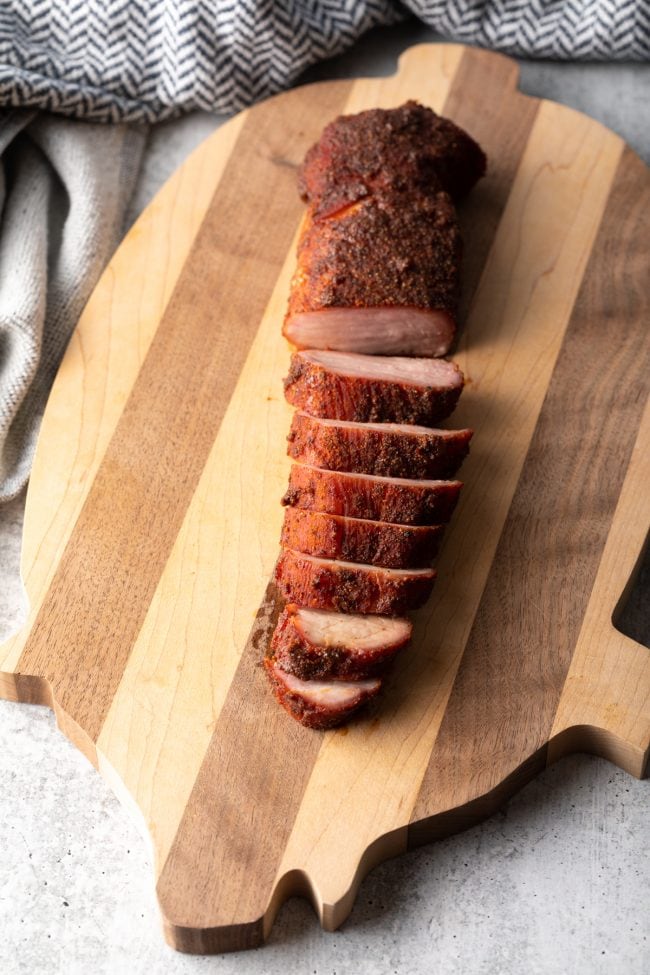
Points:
x=64 y=185
x=145 y=60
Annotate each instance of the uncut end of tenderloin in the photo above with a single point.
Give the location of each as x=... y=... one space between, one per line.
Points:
x=404 y=501
x=380 y=543
x=315 y=644
x=369 y=388
x=398 y=148
x=350 y=587
x=320 y=704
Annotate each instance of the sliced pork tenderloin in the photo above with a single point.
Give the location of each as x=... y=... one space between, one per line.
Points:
x=385 y=449
x=360 y=540
x=404 y=501
x=320 y=704
x=391 y=330
x=314 y=644
x=351 y=587
x=369 y=388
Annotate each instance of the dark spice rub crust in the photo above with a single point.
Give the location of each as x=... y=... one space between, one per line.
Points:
x=387 y=250
x=403 y=148
x=321 y=391
x=358 y=540
x=405 y=502
x=385 y=449
x=349 y=587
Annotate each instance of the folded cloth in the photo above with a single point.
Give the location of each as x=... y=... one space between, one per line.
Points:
x=64 y=188
x=146 y=60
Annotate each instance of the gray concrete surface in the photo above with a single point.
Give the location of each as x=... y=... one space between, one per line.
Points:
x=558 y=882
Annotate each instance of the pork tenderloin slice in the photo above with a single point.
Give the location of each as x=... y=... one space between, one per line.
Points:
x=350 y=587
x=319 y=704
x=350 y=386
x=385 y=449
x=392 y=330
x=402 y=501
x=316 y=645
x=381 y=543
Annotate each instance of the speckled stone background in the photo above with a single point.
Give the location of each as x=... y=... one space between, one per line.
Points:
x=557 y=882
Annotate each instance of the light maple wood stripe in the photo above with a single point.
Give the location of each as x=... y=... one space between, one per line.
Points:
x=119 y=546
x=524 y=320
x=210 y=798
x=420 y=75
x=490 y=735
x=101 y=365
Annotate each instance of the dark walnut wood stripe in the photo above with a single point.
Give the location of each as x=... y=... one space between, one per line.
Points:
x=218 y=878
x=500 y=713
x=501 y=124
x=105 y=580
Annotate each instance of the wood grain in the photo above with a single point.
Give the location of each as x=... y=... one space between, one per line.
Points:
x=605 y=701
x=159 y=447
x=394 y=757
x=520 y=647
x=227 y=547
x=100 y=368
x=153 y=518
x=501 y=124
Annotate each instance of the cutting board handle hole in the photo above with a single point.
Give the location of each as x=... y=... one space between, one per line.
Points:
x=628 y=617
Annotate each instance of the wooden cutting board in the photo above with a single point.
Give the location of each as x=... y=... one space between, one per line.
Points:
x=153 y=512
